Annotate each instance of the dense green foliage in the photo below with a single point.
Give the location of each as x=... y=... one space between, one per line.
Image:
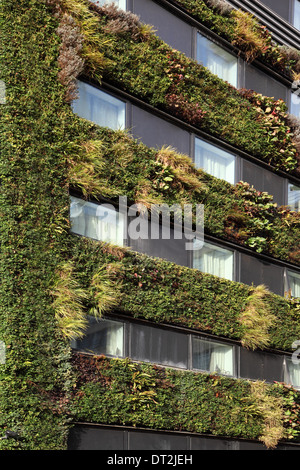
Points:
x=122 y=392
x=237 y=213
x=142 y=64
x=161 y=291
x=34 y=222
x=49 y=278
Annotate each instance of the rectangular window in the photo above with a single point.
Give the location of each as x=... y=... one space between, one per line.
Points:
x=214 y=161
x=297 y=14
x=292 y=373
x=119 y=3
x=102 y=337
x=293 y=283
x=99 y=107
x=158 y=346
x=214 y=260
x=217 y=60
x=212 y=356
x=294 y=197
x=295 y=104
x=98 y=221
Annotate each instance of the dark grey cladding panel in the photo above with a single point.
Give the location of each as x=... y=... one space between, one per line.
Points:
x=174 y=31
x=156 y=441
x=94 y=438
x=263 y=83
x=255 y=271
x=264 y=180
x=281 y=7
x=206 y=443
x=259 y=365
x=156 y=132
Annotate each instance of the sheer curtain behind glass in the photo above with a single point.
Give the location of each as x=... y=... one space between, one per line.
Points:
x=119 y=3
x=214 y=161
x=294 y=197
x=212 y=357
x=217 y=60
x=294 y=283
x=97 y=221
x=292 y=373
x=295 y=104
x=102 y=337
x=99 y=107
x=297 y=14
x=214 y=260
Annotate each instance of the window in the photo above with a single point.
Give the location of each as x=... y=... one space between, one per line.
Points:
x=98 y=221
x=217 y=60
x=214 y=260
x=212 y=356
x=119 y=3
x=292 y=373
x=295 y=104
x=297 y=14
x=158 y=345
x=102 y=337
x=99 y=107
x=293 y=280
x=214 y=161
x=294 y=197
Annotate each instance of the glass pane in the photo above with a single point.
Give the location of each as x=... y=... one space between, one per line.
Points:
x=102 y=337
x=99 y=221
x=292 y=373
x=99 y=107
x=297 y=14
x=217 y=60
x=295 y=104
x=214 y=260
x=212 y=357
x=294 y=283
x=294 y=197
x=159 y=346
x=119 y=3
x=214 y=161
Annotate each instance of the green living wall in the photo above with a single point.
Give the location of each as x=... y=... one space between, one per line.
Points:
x=51 y=280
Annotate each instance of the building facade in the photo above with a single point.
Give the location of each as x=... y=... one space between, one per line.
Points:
x=190 y=339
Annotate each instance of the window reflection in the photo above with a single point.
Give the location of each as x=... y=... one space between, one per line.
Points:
x=99 y=107
x=292 y=373
x=294 y=197
x=119 y=3
x=294 y=283
x=297 y=14
x=217 y=60
x=212 y=259
x=98 y=221
x=214 y=161
x=102 y=337
x=212 y=356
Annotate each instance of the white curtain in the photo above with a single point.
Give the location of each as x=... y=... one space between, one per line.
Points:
x=294 y=283
x=293 y=373
x=217 y=60
x=294 y=197
x=212 y=357
x=114 y=339
x=97 y=221
x=214 y=260
x=295 y=105
x=119 y=3
x=99 y=107
x=297 y=14
x=214 y=161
